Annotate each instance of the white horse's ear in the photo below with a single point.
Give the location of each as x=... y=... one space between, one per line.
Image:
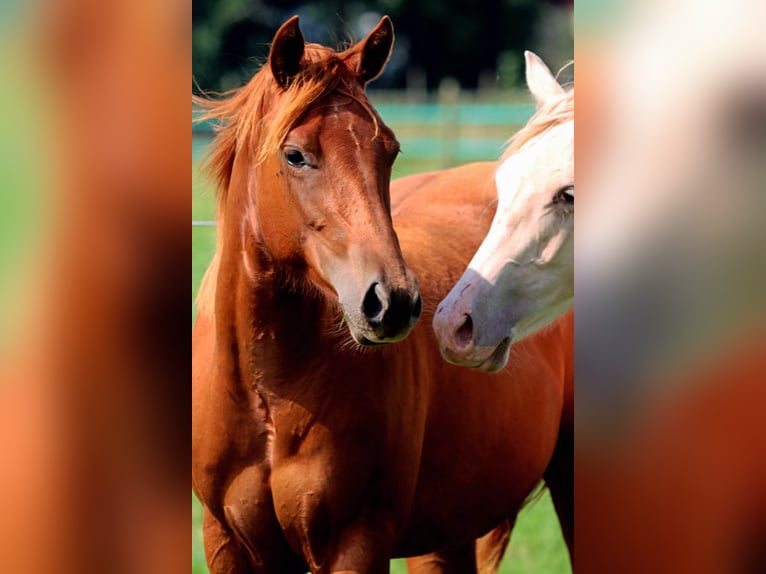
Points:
x=540 y=81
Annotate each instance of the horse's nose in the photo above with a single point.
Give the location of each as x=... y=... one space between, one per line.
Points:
x=464 y=334
x=392 y=313
x=455 y=332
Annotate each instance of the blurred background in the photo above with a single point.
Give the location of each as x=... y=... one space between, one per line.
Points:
x=478 y=43
x=453 y=92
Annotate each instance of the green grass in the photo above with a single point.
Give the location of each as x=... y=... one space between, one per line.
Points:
x=536 y=545
x=28 y=180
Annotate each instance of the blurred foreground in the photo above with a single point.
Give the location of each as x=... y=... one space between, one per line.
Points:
x=93 y=356
x=670 y=283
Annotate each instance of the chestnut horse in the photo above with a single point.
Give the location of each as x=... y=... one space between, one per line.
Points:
x=314 y=444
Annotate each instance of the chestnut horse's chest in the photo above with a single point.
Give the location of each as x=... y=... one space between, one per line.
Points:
x=338 y=452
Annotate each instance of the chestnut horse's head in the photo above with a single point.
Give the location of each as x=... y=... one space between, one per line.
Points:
x=314 y=160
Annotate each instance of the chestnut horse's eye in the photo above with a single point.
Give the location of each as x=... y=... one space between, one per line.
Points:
x=565 y=195
x=295 y=158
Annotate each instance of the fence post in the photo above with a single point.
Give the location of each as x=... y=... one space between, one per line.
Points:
x=448 y=96
x=416 y=91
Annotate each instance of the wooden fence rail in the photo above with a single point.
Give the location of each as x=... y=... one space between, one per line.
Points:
x=452 y=128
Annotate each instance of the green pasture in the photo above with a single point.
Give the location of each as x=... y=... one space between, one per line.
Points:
x=536 y=545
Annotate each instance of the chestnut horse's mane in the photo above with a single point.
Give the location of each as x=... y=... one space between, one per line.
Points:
x=551 y=114
x=242 y=118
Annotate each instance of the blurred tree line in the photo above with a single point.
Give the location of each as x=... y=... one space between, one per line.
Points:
x=478 y=42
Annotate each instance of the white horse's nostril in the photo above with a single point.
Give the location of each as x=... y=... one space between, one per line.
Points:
x=464 y=333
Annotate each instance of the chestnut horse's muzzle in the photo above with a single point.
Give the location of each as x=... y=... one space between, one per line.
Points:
x=390 y=313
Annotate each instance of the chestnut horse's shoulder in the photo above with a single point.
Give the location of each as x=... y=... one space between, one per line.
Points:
x=454 y=186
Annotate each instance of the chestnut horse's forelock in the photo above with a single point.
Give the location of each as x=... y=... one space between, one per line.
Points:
x=241 y=116
x=548 y=116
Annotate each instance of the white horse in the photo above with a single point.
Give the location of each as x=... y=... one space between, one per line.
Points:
x=522 y=276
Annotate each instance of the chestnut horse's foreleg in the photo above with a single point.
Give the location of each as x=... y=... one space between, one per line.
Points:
x=227 y=553
x=491 y=547
x=361 y=549
x=222 y=552
x=460 y=560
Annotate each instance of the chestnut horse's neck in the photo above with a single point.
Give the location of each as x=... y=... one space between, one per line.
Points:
x=269 y=317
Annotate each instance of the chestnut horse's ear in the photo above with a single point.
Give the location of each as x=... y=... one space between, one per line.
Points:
x=287 y=52
x=540 y=81
x=372 y=53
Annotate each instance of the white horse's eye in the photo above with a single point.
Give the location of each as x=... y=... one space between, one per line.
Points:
x=565 y=195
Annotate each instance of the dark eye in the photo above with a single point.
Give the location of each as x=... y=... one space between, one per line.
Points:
x=565 y=195
x=295 y=158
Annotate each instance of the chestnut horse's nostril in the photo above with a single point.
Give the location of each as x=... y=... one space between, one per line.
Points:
x=464 y=333
x=391 y=314
x=418 y=308
x=372 y=305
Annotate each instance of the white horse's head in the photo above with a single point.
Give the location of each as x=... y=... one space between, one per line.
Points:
x=522 y=276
